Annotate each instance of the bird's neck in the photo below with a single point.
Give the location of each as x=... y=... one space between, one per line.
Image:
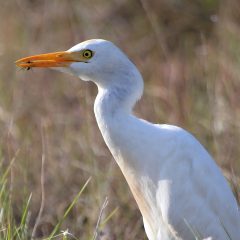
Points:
x=118 y=97
x=113 y=110
x=119 y=94
x=110 y=103
x=123 y=134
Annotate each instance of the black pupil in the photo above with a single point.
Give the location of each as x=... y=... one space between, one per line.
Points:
x=87 y=54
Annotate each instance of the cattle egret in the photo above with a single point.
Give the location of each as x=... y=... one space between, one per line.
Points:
x=178 y=187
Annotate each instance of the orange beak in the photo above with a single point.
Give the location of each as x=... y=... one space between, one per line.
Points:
x=56 y=59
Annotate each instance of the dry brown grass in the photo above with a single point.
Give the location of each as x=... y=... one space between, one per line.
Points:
x=189 y=55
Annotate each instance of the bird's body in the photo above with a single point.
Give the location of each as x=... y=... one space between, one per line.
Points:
x=179 y=189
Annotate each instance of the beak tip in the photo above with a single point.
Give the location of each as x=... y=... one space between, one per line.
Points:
x=19 y=62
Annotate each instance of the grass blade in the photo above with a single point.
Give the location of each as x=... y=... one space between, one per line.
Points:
x=56 y=229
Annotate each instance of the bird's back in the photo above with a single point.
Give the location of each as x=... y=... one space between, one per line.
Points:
x=192 y=193
x=198 y=200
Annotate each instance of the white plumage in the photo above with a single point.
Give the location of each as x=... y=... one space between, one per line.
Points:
x=179 y=189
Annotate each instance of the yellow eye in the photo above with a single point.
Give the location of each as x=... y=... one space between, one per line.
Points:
x=87 y=54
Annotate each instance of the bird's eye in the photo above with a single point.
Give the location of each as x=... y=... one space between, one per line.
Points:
x=87 y=54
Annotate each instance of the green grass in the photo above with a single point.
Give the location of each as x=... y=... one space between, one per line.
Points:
x=11 y=229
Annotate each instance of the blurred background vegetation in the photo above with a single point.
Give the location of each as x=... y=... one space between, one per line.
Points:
x=189 y=55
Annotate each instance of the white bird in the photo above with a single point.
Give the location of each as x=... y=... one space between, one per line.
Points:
x=178 y=187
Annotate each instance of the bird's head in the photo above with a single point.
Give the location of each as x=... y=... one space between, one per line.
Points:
x=97 y=60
